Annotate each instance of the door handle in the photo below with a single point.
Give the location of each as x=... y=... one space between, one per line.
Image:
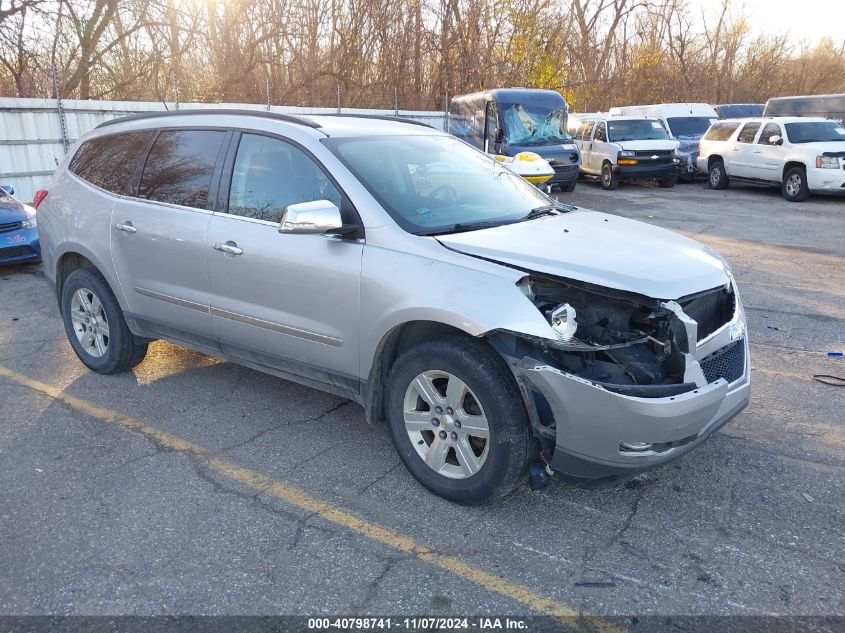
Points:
x=126 y=227
x=756 y=151
x=230 y=248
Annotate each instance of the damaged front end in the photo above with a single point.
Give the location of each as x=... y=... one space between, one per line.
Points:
x=626 y=382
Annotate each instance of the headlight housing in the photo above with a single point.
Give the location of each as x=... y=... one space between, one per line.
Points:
x=588 y=321
x=827 y=162
x=626 y=153
x=31 y=221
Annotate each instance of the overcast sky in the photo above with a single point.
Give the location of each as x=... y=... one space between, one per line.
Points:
x=803 y=19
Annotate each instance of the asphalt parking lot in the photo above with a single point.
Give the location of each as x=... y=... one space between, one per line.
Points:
x=196 y=486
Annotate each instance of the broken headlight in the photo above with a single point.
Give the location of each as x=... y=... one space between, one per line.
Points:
x=583 y=320
x=605 y=335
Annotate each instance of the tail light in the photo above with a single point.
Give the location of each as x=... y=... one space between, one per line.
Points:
x=39 y=197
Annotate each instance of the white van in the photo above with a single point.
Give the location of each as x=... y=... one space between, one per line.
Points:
x=616 y=148
x=685 y=122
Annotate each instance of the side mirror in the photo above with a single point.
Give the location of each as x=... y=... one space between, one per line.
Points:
x=775 y=139
x=312 y=218
x=8 y=189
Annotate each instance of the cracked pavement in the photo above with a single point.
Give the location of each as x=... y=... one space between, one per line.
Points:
x=98 y=520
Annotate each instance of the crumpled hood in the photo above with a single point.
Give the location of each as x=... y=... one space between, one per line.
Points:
x=647 y=145
x=601 y=249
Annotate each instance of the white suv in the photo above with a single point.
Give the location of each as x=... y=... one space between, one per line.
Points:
x=801 y=154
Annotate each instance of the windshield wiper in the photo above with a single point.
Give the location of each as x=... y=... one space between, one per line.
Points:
x=460 y=227
x=548 y=209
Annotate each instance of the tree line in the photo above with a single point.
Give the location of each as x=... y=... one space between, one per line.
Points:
x=411 y=54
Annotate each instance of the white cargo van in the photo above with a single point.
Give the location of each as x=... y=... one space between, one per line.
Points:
x=685 y=123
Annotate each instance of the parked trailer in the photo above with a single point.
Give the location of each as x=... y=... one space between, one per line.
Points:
x=827 y=106
x=739 y=110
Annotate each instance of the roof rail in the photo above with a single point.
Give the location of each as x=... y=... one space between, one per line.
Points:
x=380 y=117
x=278 y=116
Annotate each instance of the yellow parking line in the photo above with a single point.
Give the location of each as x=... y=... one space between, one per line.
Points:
x=323 y=509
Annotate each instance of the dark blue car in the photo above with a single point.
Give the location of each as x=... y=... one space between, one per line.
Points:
x=18 y=230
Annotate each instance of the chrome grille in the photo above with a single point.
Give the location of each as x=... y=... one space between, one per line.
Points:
x=727 y=362
x=711 y=310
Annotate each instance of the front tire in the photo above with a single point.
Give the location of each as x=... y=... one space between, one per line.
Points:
x=609 y=177
x=668 y=182
x=95 y=325
x=717 y=177
x=457 y=420
x=794 y=186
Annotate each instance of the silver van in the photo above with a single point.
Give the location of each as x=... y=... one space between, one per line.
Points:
x=494 y=329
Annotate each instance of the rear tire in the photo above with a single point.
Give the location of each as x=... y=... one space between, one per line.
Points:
x=794 y=186
x=95 y=325
x=466 y=377
x=717 y=176
x=609 y=178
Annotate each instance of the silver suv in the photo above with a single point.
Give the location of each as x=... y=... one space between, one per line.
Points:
x=496 y=330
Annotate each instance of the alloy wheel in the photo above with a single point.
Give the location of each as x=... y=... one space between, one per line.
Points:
x=90 y=323
x=793 y=184
x=446 y=424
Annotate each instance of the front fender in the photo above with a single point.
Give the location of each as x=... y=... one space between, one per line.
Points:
x=458 y=290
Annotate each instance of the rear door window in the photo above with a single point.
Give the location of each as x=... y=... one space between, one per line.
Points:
x=180 y=166
x=601 y=132
x=110 y=162
x=721 y=131
x=747 y=133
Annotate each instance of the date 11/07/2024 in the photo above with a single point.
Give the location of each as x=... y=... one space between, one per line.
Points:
x=417 y=624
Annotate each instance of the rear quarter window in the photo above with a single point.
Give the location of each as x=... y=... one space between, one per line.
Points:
x=110 y=162
x=720 y=131
x=180 y=166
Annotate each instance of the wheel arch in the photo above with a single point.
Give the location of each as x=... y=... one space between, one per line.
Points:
x=714 y=158
x=789 y=165
x=392 y=344
x=74 y=256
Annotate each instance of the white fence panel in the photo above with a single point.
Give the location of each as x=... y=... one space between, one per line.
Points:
x=31 y=143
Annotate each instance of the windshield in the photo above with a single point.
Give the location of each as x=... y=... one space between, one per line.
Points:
x=534 y=124
x=815 y=131
x=635 y=130
x=429 y=184
x=689 y=127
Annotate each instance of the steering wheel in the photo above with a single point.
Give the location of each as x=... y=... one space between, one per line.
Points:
x=445 y=194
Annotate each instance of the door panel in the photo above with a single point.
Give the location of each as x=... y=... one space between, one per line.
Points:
x=292 y=297
x=158 y=243
x=284 y=300
x=159 y=256
x=740 y=156
x=767 y=163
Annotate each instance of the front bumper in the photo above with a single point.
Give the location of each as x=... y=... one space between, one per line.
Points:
x=602 y=433
x=19 y=246
x=592 y=422
x=831 y=180
x=647 y=171
x=564 y=174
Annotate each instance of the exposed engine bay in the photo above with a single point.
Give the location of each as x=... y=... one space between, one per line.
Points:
x=627 y=343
